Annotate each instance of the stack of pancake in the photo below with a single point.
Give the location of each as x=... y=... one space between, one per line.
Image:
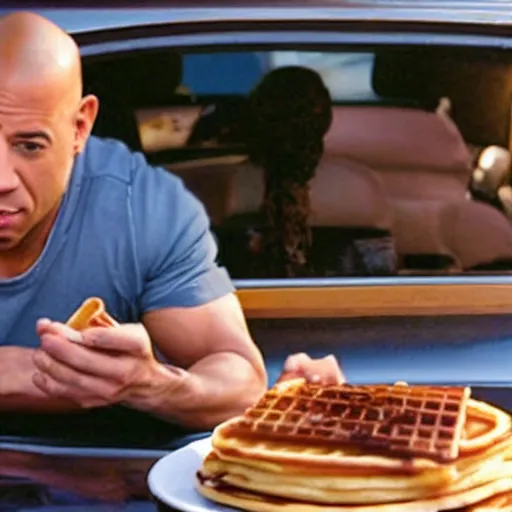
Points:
x=342 y=448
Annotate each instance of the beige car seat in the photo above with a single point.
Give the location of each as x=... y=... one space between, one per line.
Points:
x=343 y=193
x=425 y=167
x=348 y=203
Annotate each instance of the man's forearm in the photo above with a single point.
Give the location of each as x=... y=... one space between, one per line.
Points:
x=17 y=390
x=216 y=388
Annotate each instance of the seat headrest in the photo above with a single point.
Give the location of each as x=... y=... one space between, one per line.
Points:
x=398 y=139
x=478 y=83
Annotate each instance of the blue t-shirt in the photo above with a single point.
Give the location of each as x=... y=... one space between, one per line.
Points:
x=127 y=232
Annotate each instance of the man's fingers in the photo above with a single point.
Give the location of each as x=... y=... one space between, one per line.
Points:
x=295 y=362
x=84 y=390
x=317 y=371
x=68 y=376
x=80 y=358
x=326 y=371
x=335 y=364
x=128 y=338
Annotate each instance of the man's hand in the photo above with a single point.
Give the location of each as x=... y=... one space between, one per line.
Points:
x=17 y=390
x=219 y=370
x=102 y=366
x=322 y=371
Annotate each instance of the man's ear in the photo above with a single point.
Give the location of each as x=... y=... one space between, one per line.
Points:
x=85 y=118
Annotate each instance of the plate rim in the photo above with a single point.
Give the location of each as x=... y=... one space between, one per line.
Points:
x=154 y=488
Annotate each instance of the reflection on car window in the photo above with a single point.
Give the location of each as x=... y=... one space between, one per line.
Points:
x=346 y=75
x=223 y=73
x=228 y=76
x=166 y=128
x=413 y=177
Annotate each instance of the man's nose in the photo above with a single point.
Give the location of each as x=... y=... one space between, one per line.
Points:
x=9 y=179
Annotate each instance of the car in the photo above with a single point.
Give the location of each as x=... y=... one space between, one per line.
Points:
x=398 y=246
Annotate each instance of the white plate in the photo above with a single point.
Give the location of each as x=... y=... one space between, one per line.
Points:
x=172 y=479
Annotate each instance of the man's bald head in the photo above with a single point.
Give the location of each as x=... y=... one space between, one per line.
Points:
x=44 y=124
x=34 y=52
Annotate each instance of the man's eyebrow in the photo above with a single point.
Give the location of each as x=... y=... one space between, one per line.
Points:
x=34 y=135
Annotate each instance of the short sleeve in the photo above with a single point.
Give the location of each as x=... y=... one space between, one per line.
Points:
x=175 y=247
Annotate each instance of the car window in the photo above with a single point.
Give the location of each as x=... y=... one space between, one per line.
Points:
x=348 y=75
x=234 y=74
x=412 y=176
x=223 y=72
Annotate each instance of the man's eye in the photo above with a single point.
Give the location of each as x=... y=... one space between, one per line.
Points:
x=28 y=148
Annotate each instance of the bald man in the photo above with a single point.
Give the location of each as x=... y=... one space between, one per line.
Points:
x=81 y=217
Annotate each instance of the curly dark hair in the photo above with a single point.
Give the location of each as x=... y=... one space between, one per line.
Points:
x=290 y=112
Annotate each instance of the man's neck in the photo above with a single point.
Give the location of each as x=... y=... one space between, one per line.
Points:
x=14 y=264
x=19 y=260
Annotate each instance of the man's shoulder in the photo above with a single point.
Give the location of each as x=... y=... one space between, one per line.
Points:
x=152 y=192
x=113 y=160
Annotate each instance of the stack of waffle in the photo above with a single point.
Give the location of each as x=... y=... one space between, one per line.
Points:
x=342 y=448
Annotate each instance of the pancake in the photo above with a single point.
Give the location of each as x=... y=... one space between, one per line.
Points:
x=496 y=503
x=372 y=488
x=254 y=502
x=444 y=450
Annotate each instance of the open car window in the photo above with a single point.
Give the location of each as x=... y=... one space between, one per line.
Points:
x=412 y=177
x=346 y=75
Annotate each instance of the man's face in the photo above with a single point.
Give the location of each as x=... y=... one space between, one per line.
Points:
x=41 y=131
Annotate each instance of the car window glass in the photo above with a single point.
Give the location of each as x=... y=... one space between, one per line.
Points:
x=346 y=75
x=402 y=183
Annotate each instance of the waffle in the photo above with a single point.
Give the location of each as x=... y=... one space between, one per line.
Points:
x=291 y=457
x=91 y=313
x=414 y=421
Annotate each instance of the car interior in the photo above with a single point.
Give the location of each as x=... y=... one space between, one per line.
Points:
x=413 y=175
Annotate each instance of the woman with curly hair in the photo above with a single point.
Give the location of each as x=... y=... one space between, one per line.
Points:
x=290 y=114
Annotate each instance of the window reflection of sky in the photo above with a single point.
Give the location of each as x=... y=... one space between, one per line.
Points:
x=347 y=75
x=222 y=73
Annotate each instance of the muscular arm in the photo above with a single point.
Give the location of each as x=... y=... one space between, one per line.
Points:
x=224 y=369
x=191 y=312
x=17 y=390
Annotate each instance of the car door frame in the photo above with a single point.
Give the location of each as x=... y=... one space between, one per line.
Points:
x=333 y=297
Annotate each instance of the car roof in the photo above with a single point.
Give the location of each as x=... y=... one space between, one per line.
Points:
x=81 y=17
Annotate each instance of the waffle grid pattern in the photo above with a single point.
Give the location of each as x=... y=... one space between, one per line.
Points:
x=407 y=420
